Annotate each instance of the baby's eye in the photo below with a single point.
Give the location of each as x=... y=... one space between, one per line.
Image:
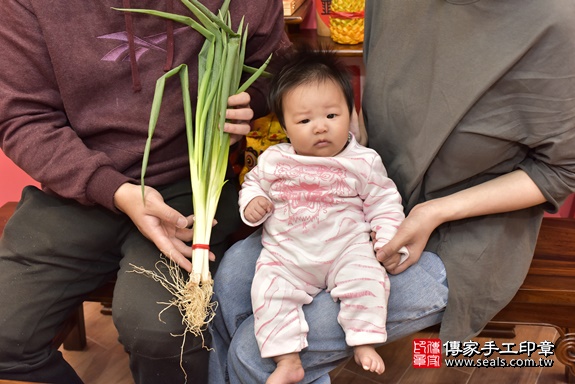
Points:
x=331 y=116
x=304 y=121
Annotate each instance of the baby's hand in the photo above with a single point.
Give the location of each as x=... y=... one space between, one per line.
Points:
x=257 y=209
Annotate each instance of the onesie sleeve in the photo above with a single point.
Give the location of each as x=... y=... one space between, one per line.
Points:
x=254 y=185
x=382 y=205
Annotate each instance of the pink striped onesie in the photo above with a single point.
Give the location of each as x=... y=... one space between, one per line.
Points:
x=318 y=237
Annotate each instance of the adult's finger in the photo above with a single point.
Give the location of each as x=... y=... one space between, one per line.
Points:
x=403 y=266
x=240 y=114
x=170 y=250
x=237 y=129
x=167 y=214
x=240 y=100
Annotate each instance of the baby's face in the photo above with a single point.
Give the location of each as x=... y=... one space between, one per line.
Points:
x=316 y=119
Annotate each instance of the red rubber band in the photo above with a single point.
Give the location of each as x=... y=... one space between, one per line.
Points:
x=346 y=15
x=201 y=246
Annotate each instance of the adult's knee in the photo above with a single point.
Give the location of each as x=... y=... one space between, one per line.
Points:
x=153 y=334
x=419 y=291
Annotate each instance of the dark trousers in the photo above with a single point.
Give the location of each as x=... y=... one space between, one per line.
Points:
x=55 y=251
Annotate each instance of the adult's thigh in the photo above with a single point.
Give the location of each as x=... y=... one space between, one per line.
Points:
x=418 y=297
x=418 y=302
x=53 y=252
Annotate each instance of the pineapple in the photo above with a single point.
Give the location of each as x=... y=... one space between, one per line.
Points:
x=346 y=21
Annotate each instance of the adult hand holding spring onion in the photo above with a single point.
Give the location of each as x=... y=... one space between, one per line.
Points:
x=238 y=116
x=164 y=226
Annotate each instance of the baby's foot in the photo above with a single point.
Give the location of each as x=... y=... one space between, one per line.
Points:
x=367 y=357
x=288 y=370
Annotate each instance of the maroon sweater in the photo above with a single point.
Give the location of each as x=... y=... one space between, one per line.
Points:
x=69 y=115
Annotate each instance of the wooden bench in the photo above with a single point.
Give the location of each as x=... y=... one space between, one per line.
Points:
x=547 y=296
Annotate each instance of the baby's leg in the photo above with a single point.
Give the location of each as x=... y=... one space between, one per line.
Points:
x=277 y=300
x=367 y=357
x=362 y=286
x=288 y=370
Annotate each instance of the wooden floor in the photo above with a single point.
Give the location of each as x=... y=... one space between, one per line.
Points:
x=104 y=360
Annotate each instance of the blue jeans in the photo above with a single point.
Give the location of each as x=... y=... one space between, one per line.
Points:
x=417 y=301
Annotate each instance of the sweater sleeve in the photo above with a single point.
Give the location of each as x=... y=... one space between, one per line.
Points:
x=34 y=129
x=382 y=206
x=542 y=86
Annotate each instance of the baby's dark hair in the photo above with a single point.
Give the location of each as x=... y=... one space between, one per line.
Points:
x=305 y=65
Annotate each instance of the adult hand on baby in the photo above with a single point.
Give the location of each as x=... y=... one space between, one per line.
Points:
x=257 y=209
x=413 y=233
x=357 y=127
x=389 y=261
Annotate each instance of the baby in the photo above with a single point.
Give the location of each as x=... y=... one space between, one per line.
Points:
x=319 y=198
